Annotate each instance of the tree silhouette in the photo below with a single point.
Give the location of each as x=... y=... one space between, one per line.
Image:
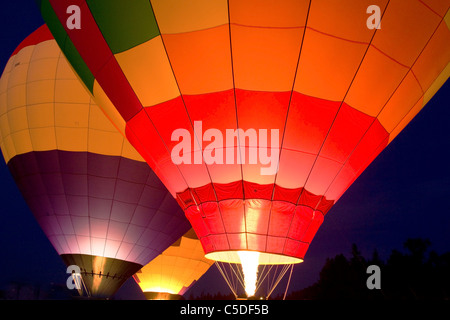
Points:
x=413 y=275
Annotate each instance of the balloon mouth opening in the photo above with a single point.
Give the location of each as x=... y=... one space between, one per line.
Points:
x=265 y=258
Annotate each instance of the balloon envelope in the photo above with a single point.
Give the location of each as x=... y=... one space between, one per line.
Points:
x=175 y=271
x=100 y=205
x=305 y=87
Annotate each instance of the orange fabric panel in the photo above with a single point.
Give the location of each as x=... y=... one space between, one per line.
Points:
x=269 y=13
x=327 y=65
x=175 y=16
x=405 y=30
x=376 y=80
x=401 y=102
x=434 y=58
x=265 y=59
x=201 y=60
x=344 y=19
x=439 y=7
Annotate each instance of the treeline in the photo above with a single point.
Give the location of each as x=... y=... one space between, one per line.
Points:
x=415 y=274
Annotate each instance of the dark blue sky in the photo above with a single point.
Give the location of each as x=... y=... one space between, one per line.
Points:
x=404 y=193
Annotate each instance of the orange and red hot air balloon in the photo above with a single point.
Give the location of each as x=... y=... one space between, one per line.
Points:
x=257 y=115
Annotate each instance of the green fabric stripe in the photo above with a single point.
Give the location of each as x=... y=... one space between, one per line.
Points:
x=124 y=24
x=66 y=45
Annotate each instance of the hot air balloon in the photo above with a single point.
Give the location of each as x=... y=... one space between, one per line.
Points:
x=257 y=115
x=171 y=274
x=96 y=199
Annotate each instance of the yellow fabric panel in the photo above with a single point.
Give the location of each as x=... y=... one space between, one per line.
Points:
x=98 y=120
x=411 y=114
x=70 y=91
x=105 y=142
x=269 y=13
x=18 y=74
x=43 y=68
x=375 y=82
x=177 y=267
x=43 y=138
x=327 y=65
x=73 y=139
x=401 y=102
x=201 y=60
x=108 y=108
x=72 y=115
x=129 y=152
x=265 y=59
x=4 y=125
x=8 y=148
x=148 y=70
x=41 y=115
x=7 y=69
x=46 y=50
x=42 y=91
x=434 y=57
x=21 y=141
x=405 y=30
x=177 y=16
x=17 y=119
x=344 y=19
x=16 y=96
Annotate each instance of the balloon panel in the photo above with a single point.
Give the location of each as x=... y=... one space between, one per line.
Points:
x=176 y=269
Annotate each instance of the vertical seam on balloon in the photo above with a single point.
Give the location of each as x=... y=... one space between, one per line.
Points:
x=284 y=132
x=58 y=153
x=135 y=207
x=237 y=125
x=190 y=121
x=341 y=103
x=375 y=118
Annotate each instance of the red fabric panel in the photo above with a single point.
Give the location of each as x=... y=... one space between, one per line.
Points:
x=205 y=194
x=275 y=244
x=284 y=194
x=300 y=223
x=281 y=218
x=257 y=214
x=254 y=224
x=118 y=89
x=270 y=108
x=347 y=130
x=148 y=144
x=212 y=218
x=308 y=122
x=232 y=190
x=40 y=35
x=238 y=241
x=257 y=191
x=313 y=227
x=233 y=215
